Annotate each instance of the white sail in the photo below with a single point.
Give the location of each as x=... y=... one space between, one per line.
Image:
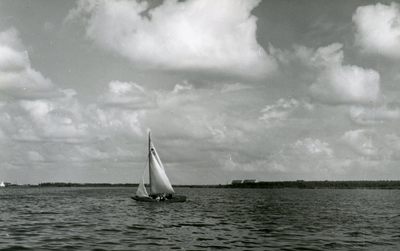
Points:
x=159 y=181
x=2 y=184
x=141 y=191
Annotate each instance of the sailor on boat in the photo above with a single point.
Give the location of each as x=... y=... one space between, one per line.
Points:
x=160 y=186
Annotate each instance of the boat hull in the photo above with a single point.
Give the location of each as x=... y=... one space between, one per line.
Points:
x=175 y=198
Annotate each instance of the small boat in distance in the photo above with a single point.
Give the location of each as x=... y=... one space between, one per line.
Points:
x=160 y=187
x=2 y=184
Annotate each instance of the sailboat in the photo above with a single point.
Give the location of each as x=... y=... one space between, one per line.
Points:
x=2 y=184
x=160 y=187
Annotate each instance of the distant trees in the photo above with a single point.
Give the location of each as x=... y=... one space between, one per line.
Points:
x=383 y=184
x=350 y=184
x=64 y=184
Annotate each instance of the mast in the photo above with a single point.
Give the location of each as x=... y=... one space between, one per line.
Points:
x=149 y=161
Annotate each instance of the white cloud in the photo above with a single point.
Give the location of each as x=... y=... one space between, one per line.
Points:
x=286 y=109
x=313 y=148
x=347 y=84
x=280 y=110
x=35 y=109
x=122 y=109
x=392 y=146
x=184 y=86
x=337 y=83
x=38 y=109
x=310 y=156
x=378 y=29
x=229 y=164
x=66 y=131
x=35 y=156
x=127 y=96
x=323 y=57
x=234 y=87
x=17 y=77
x=35 y=114
x=115 y=121
x=48 y=27
x=56 y=120
x=393 y=141
x=91 y=153
x=360 y=141
x=367 y=115
x=196 y=34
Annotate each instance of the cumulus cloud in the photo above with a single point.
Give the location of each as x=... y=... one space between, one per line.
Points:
x=182 y=108
x=392 y=146
x=56 y=120
x=284 y=109
x=182 y=87
x=347 y=84
x=117 y=121
x=378 y=29
x=35 y=156
x=337 y=83
x=313 y=148
x=36 y=114
x=280 y=110
x=17 y=77
x=393 y=141
x=320 y=160
x=234 y=87
x=311 y=156
x=123 y=107
x=126 y=95
x=38 y=110
x=196 y=34
x=360 y=141
x=94 y=133
x=368 y=116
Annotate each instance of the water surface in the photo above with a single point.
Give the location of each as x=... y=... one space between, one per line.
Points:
x=236 y=219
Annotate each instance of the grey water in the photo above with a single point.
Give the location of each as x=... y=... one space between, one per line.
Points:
x=235 y=219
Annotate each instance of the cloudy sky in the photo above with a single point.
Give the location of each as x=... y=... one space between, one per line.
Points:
x=272 y=90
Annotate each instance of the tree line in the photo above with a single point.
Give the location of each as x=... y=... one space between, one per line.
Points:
x=69 y=184
x=383 y=184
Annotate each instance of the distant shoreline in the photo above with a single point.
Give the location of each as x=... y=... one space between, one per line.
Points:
x=300 y=184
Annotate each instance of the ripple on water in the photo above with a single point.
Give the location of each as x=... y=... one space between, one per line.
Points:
x=241 y=219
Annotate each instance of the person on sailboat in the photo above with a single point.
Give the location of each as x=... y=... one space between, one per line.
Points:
x=160 y=186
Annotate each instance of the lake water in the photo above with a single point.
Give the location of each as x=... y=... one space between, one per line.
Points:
x=211 y=219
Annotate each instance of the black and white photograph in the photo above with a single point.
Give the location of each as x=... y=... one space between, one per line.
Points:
x=199 y=125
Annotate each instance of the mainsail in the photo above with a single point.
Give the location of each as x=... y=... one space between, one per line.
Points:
x=159 y=182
